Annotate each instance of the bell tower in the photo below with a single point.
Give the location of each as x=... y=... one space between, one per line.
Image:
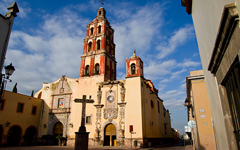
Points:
x=134 y=66
x=98 y=58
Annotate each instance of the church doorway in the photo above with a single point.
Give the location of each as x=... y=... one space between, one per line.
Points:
x=30 y=136
x=1 y=133
x=57 y=132
x=14 y=136
x=110 y=135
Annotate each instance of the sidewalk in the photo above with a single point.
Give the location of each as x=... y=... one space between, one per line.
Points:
x=189 y=147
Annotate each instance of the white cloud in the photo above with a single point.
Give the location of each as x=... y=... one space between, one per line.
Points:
x=154 y=69
x=54 y=49
x=189 y=63
x=136 y=30
x=177 y=74
x=177 y=39
x=173 y=99
x=174 y=104
x=121 y=75
x=23 y=11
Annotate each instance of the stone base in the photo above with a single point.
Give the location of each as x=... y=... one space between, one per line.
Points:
x=81 y=140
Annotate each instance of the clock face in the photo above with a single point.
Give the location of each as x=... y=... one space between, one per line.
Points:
x=110 y=99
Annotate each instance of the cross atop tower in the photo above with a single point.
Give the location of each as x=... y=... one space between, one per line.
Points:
x=101 y=1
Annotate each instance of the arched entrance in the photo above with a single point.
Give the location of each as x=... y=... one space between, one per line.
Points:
x=14 y=136
x=109 y=135
x=57 y=131
x=1 y=134
x=30 y=136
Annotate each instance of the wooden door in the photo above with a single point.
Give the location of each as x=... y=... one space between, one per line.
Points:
x=109 y=135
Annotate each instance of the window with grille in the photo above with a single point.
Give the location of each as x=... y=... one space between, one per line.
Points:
x=232 y=86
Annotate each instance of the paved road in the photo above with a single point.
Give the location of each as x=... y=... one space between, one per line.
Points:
x=173 y=147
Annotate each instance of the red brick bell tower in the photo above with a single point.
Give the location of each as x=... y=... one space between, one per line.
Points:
x=134 y=66
x=98 y=58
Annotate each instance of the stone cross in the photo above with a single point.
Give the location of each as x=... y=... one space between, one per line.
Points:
x=82 y=128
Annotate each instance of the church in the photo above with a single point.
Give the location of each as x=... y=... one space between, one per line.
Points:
x=119 y=105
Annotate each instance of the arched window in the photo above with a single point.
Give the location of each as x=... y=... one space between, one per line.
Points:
x=97 y=69
x=91 y=31
x=98 y=44
x=89 y=46
x=99 y=29
x=87 y=70
x=133 y=69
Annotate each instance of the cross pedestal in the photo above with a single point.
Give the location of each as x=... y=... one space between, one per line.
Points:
x=81 y=139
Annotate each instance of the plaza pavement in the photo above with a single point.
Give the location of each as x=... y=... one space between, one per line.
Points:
x=173 y=147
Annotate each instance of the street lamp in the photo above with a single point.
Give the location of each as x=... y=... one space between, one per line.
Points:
x=187 y=103
x=9 y=69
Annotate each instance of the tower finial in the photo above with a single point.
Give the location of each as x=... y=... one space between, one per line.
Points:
x=101 y=1
x=134 y=54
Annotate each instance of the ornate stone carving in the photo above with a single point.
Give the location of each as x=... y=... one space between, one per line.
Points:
x=110 y=113
x=98 y=122
x=99 y=95
x=122 y=92
x=122 y=122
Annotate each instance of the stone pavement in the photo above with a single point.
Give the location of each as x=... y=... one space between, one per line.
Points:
x=172 y=147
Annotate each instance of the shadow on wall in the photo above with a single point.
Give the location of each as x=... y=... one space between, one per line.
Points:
x=54 y=128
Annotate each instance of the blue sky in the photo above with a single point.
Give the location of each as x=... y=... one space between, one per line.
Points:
x=47 y=41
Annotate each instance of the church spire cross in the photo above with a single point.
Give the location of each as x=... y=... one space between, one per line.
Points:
x=101 y=1
x=82 y=128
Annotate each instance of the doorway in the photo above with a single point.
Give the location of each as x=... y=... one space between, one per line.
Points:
x=1 y=134
x=57 y=131
x=110 y=135
x=30 y=136
x=14 y=136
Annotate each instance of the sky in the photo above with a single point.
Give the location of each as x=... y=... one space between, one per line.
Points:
x=46 y=42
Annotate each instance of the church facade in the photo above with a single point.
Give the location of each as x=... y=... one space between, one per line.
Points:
x=119 y=105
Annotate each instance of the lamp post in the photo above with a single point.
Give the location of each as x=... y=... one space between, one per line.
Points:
x=9 y=69
x=187 y=103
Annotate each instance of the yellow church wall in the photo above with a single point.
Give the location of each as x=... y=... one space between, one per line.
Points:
x=133 y=113
x=24 y=119
x=87 y=86
x=153 y=120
